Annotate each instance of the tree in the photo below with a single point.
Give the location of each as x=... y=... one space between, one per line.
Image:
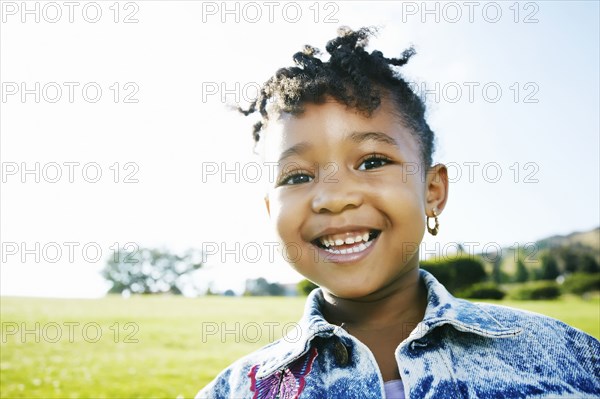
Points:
x=570 y=259
x=496 y=271
x=522 y=274
x=261 y=287
x=276 y=289
x=588 y=264
x=151 y=271
x=549 y=268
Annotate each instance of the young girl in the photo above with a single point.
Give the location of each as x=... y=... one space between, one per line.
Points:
x=355 y=190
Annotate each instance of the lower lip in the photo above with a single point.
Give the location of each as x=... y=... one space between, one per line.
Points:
x=346 y=258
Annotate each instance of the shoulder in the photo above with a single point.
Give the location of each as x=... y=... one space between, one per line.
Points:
x=237 y=376
x=544 y=353
x=527 y=319
x=547 y=331
x=258 y=370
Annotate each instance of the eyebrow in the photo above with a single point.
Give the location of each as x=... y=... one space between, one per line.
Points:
x=360 y=137
x=297 y=149
x=357 y=137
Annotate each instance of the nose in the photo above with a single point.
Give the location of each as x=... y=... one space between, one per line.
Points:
x=337 y=196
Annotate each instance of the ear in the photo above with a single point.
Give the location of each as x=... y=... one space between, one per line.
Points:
x=267 y=205
x=436 y=189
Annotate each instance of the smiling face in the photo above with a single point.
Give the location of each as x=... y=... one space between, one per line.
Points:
x=350 y=197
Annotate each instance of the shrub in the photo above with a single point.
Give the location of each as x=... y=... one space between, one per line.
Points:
x=440 y=271
x=543 y=289
x=456 y=273
x=580 y=283
x=305 y=287
x=588 y=264
x=483 y=291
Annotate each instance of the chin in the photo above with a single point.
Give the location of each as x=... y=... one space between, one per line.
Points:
x=350 y=292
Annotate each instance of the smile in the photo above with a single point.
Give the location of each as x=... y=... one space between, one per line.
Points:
x=347 y=243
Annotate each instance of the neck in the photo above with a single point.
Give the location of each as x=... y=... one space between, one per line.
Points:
x=401 y=303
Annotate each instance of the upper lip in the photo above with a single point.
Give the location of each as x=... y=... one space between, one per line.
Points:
x=340 y=230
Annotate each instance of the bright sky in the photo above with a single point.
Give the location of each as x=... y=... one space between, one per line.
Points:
x=513 y=97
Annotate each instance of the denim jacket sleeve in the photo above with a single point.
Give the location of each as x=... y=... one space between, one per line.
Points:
x=460 y=350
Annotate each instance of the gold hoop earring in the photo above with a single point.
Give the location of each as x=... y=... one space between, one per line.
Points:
x=433 y=231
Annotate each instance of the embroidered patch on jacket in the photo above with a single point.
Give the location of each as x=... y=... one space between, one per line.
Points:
x=287 y=383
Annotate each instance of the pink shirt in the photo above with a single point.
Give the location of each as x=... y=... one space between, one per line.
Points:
x=394 y=389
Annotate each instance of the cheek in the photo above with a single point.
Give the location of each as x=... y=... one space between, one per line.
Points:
x=286 y=216
x=402 y=197
x=282 y=228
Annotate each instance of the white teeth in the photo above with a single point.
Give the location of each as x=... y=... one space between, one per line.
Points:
x=355 y=249
x=326 y=243
x=329 y=242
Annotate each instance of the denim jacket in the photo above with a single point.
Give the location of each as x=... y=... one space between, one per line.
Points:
x=459 y=350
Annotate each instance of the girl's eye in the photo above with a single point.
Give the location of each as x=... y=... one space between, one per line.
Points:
x=373 y=162
x=295 y=178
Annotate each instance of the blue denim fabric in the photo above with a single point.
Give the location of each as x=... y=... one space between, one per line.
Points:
x=460 y=350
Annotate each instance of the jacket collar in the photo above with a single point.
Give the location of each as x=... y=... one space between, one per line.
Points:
x=442 y=308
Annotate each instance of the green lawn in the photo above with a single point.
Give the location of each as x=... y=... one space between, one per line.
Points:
x=171 y=347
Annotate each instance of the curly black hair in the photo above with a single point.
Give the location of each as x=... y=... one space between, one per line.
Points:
x=352 y=77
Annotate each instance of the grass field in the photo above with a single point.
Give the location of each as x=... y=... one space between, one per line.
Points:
x=159 y=347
